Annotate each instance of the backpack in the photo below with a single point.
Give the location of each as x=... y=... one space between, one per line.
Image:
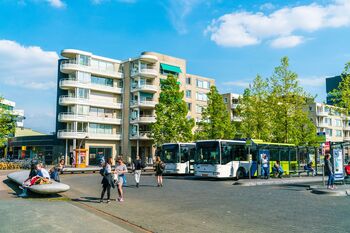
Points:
x=162 y=166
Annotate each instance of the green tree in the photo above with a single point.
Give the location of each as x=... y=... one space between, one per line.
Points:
x=171 y=123
x=341 y=96
x=216 y=122
x=254 y=111
x=287 y=101
x=7 y=124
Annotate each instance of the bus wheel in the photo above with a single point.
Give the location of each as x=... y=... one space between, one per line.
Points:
x=240 y=174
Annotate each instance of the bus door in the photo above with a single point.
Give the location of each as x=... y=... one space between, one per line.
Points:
x=191 y=158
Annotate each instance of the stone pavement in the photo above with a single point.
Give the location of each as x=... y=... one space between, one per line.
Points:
x=48 y=214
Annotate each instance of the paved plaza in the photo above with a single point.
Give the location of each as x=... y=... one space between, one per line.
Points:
x=184 y=204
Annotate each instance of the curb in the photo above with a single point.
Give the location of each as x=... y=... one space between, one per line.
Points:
x=276 y=182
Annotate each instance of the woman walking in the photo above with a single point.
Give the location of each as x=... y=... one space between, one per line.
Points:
x=328 y=170
x=107 y=180
x=159 y=171
x=120 y=170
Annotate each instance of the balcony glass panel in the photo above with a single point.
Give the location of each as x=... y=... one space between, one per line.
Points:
x=102 y=81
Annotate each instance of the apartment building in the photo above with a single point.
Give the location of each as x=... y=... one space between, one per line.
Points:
x=331 y=121
x=106 y=106
x=9 y=106
x=231 y=102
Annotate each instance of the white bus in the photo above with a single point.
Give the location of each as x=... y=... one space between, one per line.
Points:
x=221 y=159
x=178 y=157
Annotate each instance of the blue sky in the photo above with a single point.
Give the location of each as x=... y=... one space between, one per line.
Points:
x=230 y=41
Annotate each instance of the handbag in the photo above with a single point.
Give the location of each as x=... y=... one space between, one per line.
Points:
x=115 y=177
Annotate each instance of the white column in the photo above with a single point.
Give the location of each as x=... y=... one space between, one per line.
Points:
x=66 y=153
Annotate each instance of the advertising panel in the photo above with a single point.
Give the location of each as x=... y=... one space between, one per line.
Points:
x=338 y=164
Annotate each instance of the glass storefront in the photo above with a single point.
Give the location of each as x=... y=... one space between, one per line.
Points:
x=97 y=153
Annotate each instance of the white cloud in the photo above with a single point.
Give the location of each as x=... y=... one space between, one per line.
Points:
x=56 y=3
x=27 y=67
x=287 y=41
x=245 y=28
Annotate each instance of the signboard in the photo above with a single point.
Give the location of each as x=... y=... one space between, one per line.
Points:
x=338 y=164
x=24 y=148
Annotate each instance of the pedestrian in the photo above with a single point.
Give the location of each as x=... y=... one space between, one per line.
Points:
x=277 y=169
x=328 y=170
x=159 y=165
x=33 y=172
x=138 y=166
x=107 y=180
x=265 y=167
x=54 y=171
x=120 y=170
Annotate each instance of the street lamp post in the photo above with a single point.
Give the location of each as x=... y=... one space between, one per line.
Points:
x=81 y=142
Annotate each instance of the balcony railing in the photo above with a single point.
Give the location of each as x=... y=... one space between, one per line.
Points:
x=68 y=116
x=322 y=113
x=141 y=135
x=74 y=65
x=151 y=88
x=72 y=83
x=71 y=100
x=66 y=134
x=143 y=103
x=324 y=125
x=147 y=72
x=144 y=119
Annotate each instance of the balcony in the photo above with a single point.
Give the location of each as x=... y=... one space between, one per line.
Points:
x=141 y=135
x=69 y=117
x=69 y=66
x=149 y=58
x=72 y=83
x=65 y=134
x=347 y=127
x=324 y=125
x=71 y=100
x=145 y=88
x=322 y=113
x=143 y=120
x=143 y=103
x=346 y=138
x=149 y=72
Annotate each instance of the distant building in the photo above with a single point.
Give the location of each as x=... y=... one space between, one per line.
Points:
x=331 y=84
x=10 y=107
x=231 y=102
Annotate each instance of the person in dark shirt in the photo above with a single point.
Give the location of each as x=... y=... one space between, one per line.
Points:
x=328 y=169
x=138 y=166
x=33 y=172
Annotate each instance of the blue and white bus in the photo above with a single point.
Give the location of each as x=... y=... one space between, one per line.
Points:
x=178 y=157
x=222 y=159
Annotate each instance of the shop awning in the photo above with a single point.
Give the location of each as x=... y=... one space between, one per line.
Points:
x=170 y=68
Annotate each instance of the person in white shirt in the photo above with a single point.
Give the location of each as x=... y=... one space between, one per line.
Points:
x=120 y=170
x=265 y=167
x=43 y=172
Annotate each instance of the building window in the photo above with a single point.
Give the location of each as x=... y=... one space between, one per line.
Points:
x=84 y=60
x=338 y=133
x=201 y=96
x=188 y=93
x=328 y=121
x=225 y=100
x=188 y=80
x=329 y=132
x=199 y=109
x=203 y=84
x=189 y=106
x=338 y=123
x=310 y=108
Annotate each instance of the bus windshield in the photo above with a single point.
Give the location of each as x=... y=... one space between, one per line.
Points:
x=186 y=152
x=208 y=152
x=170 y=153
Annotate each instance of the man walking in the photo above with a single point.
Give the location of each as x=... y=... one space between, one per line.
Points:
x=138 y=166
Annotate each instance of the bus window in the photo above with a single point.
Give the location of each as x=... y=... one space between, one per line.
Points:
x=226 y=152
x=239 y=153
x=284 y=155
x=207 y=152
x=184 y=154
x=274 y=154
x=170 y=153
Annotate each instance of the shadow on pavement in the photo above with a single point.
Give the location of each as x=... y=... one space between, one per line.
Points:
x=16 y=191
x=91 y=199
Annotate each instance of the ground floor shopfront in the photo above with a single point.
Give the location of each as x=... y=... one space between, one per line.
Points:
x=95 y=151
